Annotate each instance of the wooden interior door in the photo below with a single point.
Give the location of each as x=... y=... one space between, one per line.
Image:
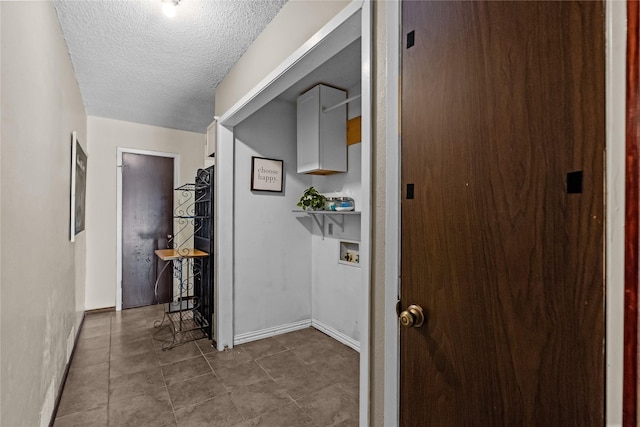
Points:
x=147 y=220
x=503 y=130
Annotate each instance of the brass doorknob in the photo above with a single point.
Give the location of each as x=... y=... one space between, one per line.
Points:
x=412 y=317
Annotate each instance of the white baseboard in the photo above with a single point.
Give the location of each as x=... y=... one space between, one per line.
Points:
x=270 y=332
x=336 y=335
x=290 y=327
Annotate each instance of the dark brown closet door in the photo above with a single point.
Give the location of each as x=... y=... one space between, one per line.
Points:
x=147 y=209
x=503 y=136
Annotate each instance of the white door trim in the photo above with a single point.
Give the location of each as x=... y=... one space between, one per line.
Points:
x=353 y=22
x=615 y=191
x=392 y=220
x=615 y=157
x=176 y=180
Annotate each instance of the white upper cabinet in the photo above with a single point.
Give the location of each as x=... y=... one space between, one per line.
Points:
x=210 y=146
x=322 y=131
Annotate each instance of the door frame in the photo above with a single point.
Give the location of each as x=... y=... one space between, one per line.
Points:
x=338 y=33
x=630 y=393
x=176 y=180
x=615 y=29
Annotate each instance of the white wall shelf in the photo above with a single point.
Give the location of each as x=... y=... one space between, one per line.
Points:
x=319 y=217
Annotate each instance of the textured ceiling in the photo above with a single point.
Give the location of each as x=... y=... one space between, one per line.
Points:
x=135 y=64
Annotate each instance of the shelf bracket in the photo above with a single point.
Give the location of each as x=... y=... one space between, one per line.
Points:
x=333 y=219
x=320 y=223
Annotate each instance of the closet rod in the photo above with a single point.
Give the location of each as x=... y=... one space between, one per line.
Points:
x=340 y=104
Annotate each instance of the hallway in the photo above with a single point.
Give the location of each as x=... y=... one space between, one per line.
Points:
x=121 y=377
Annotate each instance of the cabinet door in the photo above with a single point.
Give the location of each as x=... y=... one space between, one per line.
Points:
x=333 y=130
x=308 y=132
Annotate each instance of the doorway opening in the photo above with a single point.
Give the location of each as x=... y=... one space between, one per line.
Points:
x=239 y=310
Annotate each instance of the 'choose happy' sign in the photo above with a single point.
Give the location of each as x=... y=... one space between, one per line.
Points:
x=266 y=174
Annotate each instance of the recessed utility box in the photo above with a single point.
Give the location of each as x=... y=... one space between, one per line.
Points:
x=349 y=253
x=322 y=131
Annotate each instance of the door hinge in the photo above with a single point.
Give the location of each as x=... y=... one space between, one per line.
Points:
x=411 y=38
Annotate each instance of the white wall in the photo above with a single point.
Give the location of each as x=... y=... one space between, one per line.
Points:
x=284 y=271
x=42 y=272
x=272 y=264
x=105 y=136
x=296 y=22
x=337 y=288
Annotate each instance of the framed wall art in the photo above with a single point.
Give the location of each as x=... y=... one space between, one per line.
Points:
x=266 y=174
x=78 y=186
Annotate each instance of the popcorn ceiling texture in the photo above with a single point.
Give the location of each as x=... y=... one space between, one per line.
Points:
x=135 y=64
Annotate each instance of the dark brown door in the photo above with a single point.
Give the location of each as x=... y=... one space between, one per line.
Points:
x=147 y=208
x=502 y=213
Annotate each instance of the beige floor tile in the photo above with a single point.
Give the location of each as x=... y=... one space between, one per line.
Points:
x=315 y=352
x=96 y=417
x=331 y=406
x=126 y=335
x=148 y=409
x=132 y=364
x=84 y=393
x=338 y=368
x=95 y=331
x=184 y=351
x=217 y=412
x=290 y=415
x=129 y=325
x=97 y=319
x=298 y=378
x=131 y=348
x=263 y=348
x=242 y=375
x=119 y=375
x=185 y=369
x=205 y=345
x=87 y=375
x=301 y=337
x=92 y=343
x=279 y=363
x=195 y=390
x=228 y=358
x=260 y=398
x=129 y=385
x=90 y=357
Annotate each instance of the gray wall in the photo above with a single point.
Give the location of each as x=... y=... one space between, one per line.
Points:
x=272 y=263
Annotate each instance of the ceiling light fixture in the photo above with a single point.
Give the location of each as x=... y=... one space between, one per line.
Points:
x=169 y=7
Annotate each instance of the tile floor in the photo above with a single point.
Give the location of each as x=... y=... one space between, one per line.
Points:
x=120 y=376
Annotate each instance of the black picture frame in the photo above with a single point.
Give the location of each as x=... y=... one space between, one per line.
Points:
x=78 y=187
x=266 y=174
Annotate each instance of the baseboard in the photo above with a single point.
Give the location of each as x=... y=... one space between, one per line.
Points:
x=100 y=310
x=336 y=335
x=290 y=327
x=270 y=332
x=66 y=371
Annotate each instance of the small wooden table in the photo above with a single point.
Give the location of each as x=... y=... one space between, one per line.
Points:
x=171 y=254
x=183 y=311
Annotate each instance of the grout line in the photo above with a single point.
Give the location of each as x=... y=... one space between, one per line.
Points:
x=173 y=409
x=109 y=369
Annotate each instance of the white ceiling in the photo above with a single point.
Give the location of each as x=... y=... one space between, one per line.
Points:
x=135 y=64
x=342 y=71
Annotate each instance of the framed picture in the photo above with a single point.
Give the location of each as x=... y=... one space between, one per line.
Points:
x=266 y=174
x=78 y=186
